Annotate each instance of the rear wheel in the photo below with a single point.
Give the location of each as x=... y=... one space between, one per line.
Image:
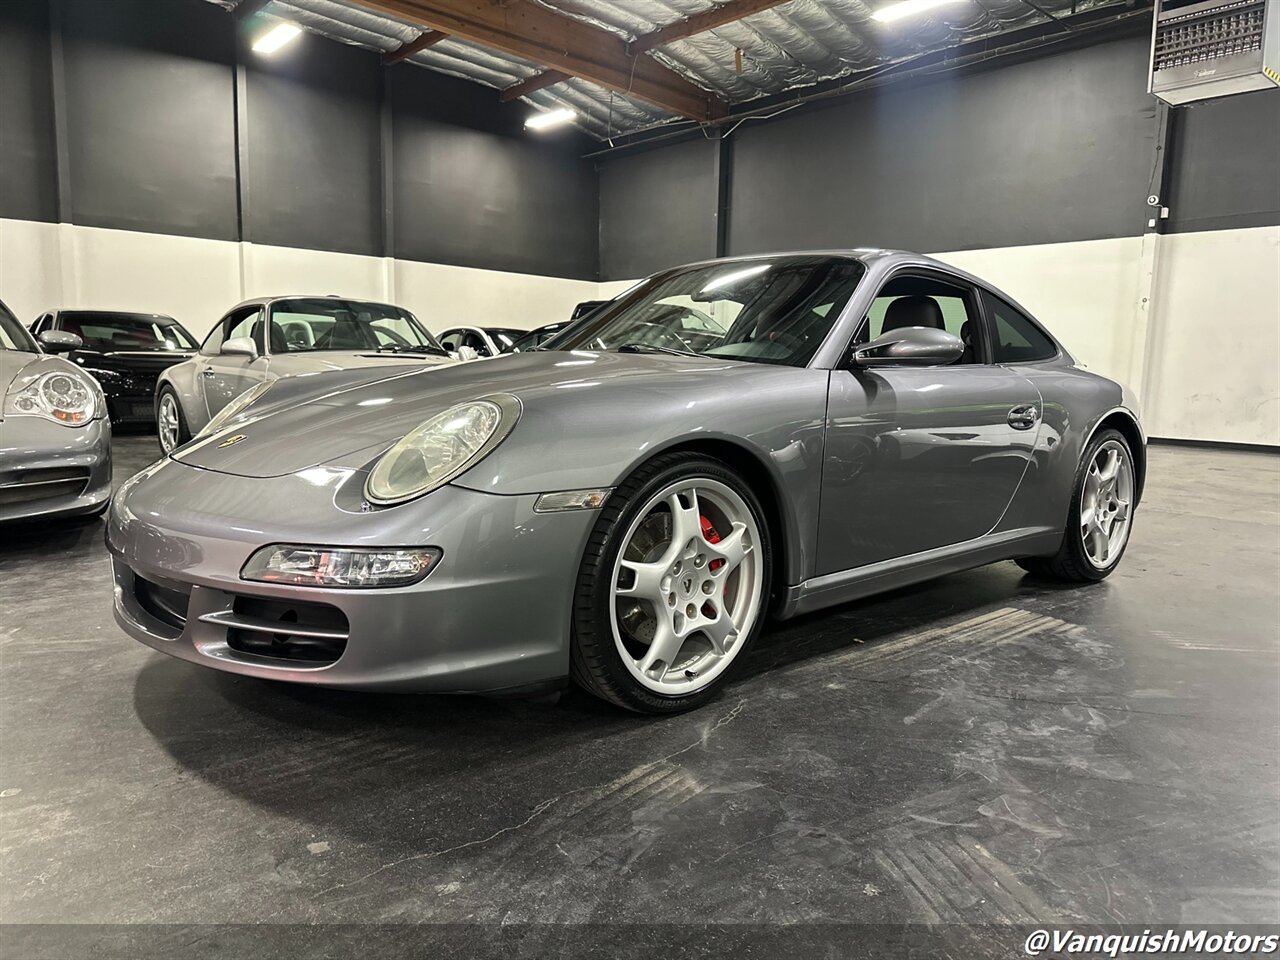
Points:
x=1101 y=515
x=673 y=585
x=171 y=425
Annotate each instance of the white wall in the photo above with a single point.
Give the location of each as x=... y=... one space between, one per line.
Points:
x=1214 y=355
x=45 y=266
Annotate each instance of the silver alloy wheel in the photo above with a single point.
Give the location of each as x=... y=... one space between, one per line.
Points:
x=168 y=425
x=682 y=604
x=1106 y=504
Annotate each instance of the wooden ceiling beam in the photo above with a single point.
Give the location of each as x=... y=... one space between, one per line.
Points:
x=729 y=12
x=536 y=82
x=529 y=30
x=428 y=38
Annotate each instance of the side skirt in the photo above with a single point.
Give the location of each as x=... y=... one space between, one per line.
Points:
x=835 y=588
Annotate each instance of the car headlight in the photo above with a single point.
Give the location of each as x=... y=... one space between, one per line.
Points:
x=341 y=566
x=440 y=449
x=232 y=409
x=65 y=397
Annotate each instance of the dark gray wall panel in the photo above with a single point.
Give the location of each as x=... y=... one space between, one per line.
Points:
x=473 y=188
x=1226 y=164
x=314 y=147
x=28 y=175
x=657 y=209
x=1054 y=149
x=149 y=116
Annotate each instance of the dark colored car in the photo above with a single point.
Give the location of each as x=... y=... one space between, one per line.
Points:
x=125 y=352
x=536 y=338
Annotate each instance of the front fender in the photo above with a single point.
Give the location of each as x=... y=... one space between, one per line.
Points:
x=588 y=437
x=182 y=378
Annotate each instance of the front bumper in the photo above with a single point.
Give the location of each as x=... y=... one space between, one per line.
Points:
x=49 y=470
x=494 y=614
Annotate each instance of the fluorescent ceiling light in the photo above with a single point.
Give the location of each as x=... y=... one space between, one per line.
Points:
x=907 y=8
x=276 y=37
x=551 y=118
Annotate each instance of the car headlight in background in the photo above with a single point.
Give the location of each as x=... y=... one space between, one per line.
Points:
x=225 y=415
x=65 y=397
x=341 y=566
x=440 y=449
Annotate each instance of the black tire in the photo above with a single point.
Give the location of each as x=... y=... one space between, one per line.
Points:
x=184 y=432
x=595 y=663
x=1070 y=564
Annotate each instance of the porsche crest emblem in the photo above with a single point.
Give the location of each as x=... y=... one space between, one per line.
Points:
x=230 y=440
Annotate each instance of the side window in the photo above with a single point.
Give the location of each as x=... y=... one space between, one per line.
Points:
x=246 y=325
x=243 y=323
x=45 y=322
x=476 y=343
x=1017 y=338
x=920 y=301
x=450 y=339
x=213 y=342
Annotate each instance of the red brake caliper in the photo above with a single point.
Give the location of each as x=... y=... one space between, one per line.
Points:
x=709 y=534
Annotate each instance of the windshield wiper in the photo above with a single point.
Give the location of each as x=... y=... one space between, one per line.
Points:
x=410 y=348
x=655 y=348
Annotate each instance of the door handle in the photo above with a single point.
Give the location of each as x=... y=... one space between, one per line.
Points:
x=1024 y=416
x=208 y=372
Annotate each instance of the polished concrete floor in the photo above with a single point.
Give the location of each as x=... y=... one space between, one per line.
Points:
x=985 y=750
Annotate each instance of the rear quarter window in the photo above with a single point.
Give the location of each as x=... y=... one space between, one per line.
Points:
x=1017 y=338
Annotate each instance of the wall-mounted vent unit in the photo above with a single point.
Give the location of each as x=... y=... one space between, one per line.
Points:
x=1211 y=48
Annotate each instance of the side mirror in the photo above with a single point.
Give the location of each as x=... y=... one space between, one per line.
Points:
x=910 y=347
x=239 y=347
x=468 y=353
x=59 y=341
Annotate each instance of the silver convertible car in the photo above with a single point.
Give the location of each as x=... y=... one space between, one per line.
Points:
x=626 y=504
x=271 y=337
x=55 y=437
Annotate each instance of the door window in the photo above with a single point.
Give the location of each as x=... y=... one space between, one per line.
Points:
x=1017 y=338
x=920 y=301
x=451 y=339
x=476 y=343
x=242 y=323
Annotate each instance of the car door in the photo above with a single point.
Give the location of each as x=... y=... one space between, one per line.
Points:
x=918 y=458
x=222 y=376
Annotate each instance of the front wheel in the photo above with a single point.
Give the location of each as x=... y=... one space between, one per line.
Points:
x=673 y=585
x=171 y=425
x=1101 y=516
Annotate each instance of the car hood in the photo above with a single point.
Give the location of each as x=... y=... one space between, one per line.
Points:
x=352 y=424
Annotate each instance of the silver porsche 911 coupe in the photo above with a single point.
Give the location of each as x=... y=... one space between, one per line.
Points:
x=272 y=337
x=626 y=504
x=55 y=437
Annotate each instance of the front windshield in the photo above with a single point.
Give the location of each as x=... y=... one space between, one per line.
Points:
x=12 y=334
x=125 y=331
x=776 y=310
x=302 y=326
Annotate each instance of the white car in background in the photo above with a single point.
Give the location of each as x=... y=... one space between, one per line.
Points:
x=261 y=340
